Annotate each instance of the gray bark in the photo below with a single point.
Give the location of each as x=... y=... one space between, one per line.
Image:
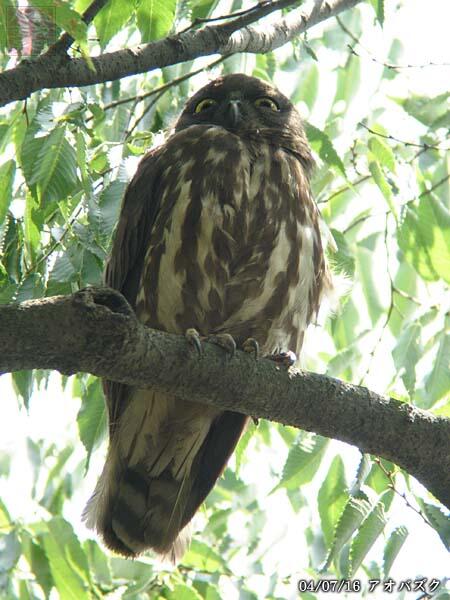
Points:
x=95 y=331
x=55 y=69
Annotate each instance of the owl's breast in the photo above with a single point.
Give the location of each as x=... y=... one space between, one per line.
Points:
x=224 y=250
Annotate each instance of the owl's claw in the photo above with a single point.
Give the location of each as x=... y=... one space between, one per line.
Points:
x=283 y=359
x=225 y=341
x=193 y=338
x=251 y=346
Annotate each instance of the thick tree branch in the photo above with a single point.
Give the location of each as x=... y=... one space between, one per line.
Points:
x=55 y=70
x=95 y=331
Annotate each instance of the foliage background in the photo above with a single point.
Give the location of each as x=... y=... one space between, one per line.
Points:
x=290 y=505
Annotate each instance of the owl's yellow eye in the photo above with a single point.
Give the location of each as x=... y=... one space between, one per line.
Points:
x=267 y=103
x=205 y=104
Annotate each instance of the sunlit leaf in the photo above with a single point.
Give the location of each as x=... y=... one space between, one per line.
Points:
x=92 y=417
x=321 y=143
x=154 y=18
x=406 y=354
x=369 y=531
x=332 y=497
x=7 y=172
x=111 y=19
x=393 y=547
x=424 y=237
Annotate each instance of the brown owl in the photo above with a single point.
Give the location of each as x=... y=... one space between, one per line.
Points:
x=218 y=232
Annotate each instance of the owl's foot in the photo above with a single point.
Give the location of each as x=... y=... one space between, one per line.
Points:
x=283 y=359
x=225 y=341
x=194 y=340
x=251 y=346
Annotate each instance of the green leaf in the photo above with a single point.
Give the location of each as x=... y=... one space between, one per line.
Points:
x=424 y=237
x=23 y=385
x=321 y=143
x=383 y=185
x=155 y=18
x=368 y=533
x=406 y=354
x=382 y=152
x=392 y=548
x=355 y=511
x=303 y=461
x=10 y=34
x=201 y=556
x=184 y=592
x=7 y=173
x=378 y=6
x=364 y=467
x=31 y=225
x=99 y=563
x=369 y=283
x=438 y=519
x=55 y=167
x=437 y=383
x=64 y=16
x=38 y=561
x=10 y=550
x=112 y=19
x=68 y=563
x=343 y=259
x=91 y=418
x=332 y=497
x=432 y=112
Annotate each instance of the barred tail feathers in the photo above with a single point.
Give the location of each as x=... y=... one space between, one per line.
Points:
x=147 y=491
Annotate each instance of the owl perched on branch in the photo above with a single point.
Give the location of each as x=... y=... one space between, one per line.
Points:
x=218 y=232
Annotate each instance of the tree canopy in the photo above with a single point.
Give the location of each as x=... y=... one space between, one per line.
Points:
x=86 y=88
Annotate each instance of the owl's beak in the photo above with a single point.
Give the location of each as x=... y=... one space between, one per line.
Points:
x=234 y=112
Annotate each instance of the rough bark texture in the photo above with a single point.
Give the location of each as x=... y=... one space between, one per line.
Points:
x=56 y=69
x=95 y=331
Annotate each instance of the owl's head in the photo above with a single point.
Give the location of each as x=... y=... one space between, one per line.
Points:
x=241 y=104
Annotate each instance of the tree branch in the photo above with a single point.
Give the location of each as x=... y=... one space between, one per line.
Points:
x=95 y=331
x=55 y=70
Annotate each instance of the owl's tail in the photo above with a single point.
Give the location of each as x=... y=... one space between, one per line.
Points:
x=163 y=460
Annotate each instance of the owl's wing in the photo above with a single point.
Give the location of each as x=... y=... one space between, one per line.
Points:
x=123 y=271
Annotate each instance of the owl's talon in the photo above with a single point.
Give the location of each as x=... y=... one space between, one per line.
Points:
x=251 y=346
x=255 y=421
x=283 y=359
x=193 y=338
x=225 y=341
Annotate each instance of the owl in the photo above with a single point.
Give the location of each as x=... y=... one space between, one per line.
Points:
x=218 y=232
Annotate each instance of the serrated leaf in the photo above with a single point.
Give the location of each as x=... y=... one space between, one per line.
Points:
x=438 y=519
x=383 y=185
x=332 y=497
x=201 y=556
x=432 y=112
x=302 y=461
x=437 y=383
x=321 y=143
x=68 y=563
x=91 y=417
x=7 y=173
x=392 y=548
x=406 y=354
x=362 y=472
x=155 y=18
x=382 y=153
x=424 y=237
x=64 y=16
x=355 y=511
x=111 y=19
x=367 y=535
x=55 y=167
x=343 y=260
